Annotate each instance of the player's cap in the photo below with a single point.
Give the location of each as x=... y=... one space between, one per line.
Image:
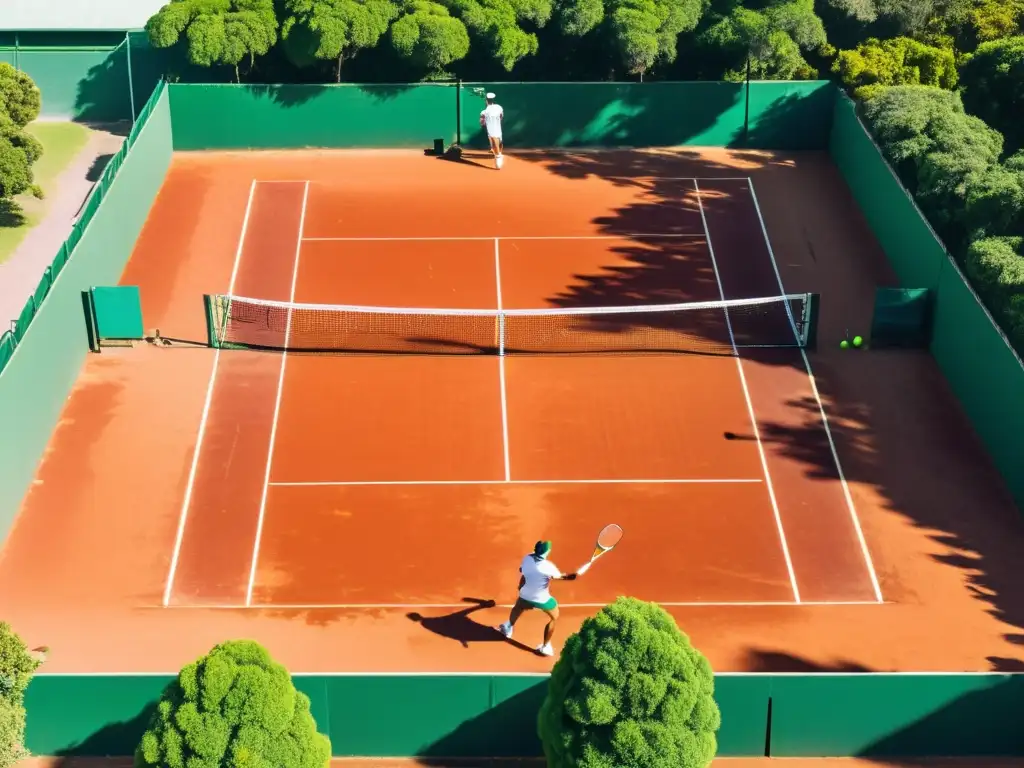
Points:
x=490 y=96
x=542 y=549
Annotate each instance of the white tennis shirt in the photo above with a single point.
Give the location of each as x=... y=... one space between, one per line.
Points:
x=492 y=119
x=538 y=574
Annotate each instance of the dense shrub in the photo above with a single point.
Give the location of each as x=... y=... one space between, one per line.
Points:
x=995 y=265
x=993 y=80
x=16 y=664
x=630 y=691
x=899 y=61
x=233 y=707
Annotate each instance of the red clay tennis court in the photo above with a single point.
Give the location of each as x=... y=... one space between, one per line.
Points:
x=415 y=480
x=356 y=511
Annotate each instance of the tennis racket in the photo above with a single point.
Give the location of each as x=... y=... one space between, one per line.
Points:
x=609 y=536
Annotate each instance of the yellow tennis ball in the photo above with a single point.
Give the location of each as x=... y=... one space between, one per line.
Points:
x=844 y=344
x=857 y=341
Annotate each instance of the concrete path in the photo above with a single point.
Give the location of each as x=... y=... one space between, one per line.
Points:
x=20 y=274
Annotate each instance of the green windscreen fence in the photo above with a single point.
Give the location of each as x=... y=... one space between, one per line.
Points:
x=50 y=337
x=983 y=370
x=537 y=115
x=786 y=715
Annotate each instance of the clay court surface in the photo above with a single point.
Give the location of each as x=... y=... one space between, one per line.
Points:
x=361 y=513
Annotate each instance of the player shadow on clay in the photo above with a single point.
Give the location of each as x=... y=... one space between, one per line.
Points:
x=459 y=626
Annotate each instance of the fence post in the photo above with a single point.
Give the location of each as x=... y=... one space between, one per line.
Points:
x=131 y=84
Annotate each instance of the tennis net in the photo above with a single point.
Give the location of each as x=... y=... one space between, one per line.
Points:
x=709 y=327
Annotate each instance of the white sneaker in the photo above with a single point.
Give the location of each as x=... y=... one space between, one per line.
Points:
x=499 y=161
x=505 y=629
x=545 y=650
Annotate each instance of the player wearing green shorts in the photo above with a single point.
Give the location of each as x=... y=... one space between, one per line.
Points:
x=537 y=574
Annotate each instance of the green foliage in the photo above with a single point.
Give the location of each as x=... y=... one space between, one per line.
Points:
x=993 y=80
x=429 y=36
x=12 y=732
x=776 y=37
x=333 y=30
x=16 y=664
x=630 y=691
x=224 y=32
x=899 y=61
x=995 y=265
x=995 y=201
x=20 y=98
x=496 y=24
x=645 y=31
x=20 y=103
x=233 y=707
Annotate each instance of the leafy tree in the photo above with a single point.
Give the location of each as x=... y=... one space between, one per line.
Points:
x=234 y=706
x=16 y=668
x=775 y=37
x=224 y=32
x=333 y=30
x=995 y=265
x=993 y=81
x=20 y=103
x=995 y=201
x=630 y=690
x=899 y=61
x=645 y=31
x=429 y=36
x=497 y=24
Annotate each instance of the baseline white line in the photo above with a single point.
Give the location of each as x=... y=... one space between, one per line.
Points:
x=277 y=405
x=750 y=406
x=411 y=606
x=821 y=409
x=204 y=418
x=625 y=236
x=614 y=481
x=501 y=363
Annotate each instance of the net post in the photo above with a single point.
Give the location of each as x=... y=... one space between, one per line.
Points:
x=211 y=326
x=501 y=334
x=811 y=307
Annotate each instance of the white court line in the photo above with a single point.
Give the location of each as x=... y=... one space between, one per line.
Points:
x=176 y=554
x=416 y=238
x=599 y=481
x=750 y=407
x=277 y=404
x=501 y=363
x=821 y=409
x=414 y=606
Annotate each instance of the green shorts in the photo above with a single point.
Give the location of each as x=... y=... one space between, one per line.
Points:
x=549 y=605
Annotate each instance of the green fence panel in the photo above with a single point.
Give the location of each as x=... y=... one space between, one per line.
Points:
x=80 y=83
x=984 y=372
x=148 y=65
x=44 y=287
x=89 y=714
x=294 y=116
x=6 y=348
x=790 y=115
x=118 y=312
x=391 y=716
x=544 y=115
x=37 y=379
x=743 y=701
x=59 y=260
x=21 y=325
x=896 y=714
x=9 y=56
x=915 y=253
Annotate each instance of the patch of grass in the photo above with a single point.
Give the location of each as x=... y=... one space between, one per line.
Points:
x=61 y=143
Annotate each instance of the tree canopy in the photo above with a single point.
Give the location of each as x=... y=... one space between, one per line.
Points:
x=333 y=30
x=216 y=32
x=233 y=707
x=630 y=691
x=20 y=103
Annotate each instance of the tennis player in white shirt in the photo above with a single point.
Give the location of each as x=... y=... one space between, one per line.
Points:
x=490 y=118
x=537 y=574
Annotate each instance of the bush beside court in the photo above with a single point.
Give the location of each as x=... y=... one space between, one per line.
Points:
x=630 y=691
x=234 y=706
x=16 y=668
